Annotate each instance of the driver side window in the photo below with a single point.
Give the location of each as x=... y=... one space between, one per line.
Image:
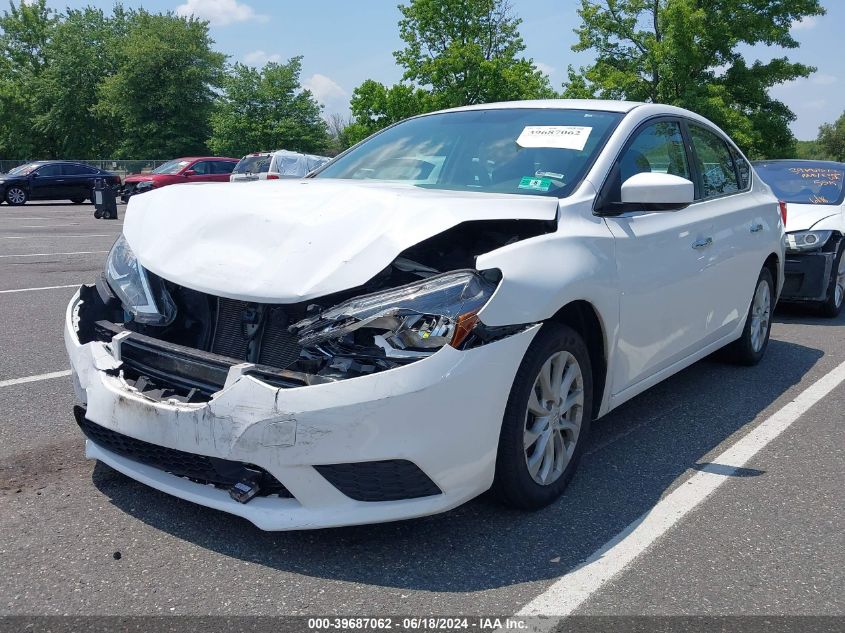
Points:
x=656 y=148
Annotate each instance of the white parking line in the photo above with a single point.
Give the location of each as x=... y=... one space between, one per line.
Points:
x=20 y=381
x=570 y=591
x=51 y=254
x=3 y=292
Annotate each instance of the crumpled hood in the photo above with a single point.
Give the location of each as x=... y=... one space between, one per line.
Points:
x=802 y=217
x=288 y=241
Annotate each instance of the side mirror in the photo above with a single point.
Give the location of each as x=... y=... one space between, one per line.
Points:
x=658 y=192
x=190 y=173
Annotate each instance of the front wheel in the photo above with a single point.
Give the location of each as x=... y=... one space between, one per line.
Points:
x=78 y=200
x=546 y=420
x=832 y=306
x=15 y=196
x=751 y=346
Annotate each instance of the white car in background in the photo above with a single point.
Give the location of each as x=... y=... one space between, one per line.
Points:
x=276 y=165
x=377 y=343
x=815 y=225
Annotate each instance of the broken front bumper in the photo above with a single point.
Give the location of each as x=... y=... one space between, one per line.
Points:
x=441 y=414
x=807 y=276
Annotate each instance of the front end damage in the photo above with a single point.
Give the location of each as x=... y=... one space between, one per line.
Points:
x=371 y=404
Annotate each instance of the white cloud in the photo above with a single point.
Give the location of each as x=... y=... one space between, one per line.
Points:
x=260 y=58
x=823 y=79
x=327 y=92
x=220 y=12
x=804 y=24
x=546 y=69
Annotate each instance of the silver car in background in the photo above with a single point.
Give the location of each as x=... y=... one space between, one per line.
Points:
x=275 y=165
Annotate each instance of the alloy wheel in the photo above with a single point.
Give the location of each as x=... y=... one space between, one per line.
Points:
x=15 y=195
x=553 y=418
x=761 y=312
x=839 y=289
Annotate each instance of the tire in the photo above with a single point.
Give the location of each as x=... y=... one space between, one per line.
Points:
x=562 y=351
x=750 y=348
x=16 y=196
x=832 y=306
x=77 y=200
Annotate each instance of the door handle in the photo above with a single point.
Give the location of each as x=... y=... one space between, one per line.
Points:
x=756 y=228
x=703 y=243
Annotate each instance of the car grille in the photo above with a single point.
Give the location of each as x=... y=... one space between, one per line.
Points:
x=388 y=480
x=221 y=473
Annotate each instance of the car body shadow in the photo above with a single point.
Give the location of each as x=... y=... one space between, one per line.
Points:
x=804 y=314
x=633 y=456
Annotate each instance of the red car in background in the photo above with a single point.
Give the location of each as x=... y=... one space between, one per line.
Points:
x=179 y=170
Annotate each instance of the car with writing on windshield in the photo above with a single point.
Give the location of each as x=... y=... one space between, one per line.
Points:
x=180 y=171
x=52 y=180
x=815 y=201
x=441 y=310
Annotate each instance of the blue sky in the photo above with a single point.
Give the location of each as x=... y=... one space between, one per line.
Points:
x=345 y=42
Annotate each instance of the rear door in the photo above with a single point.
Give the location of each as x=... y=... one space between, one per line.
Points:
x=740 y=232
x=662 y=259
x=79 y=180
x=222 y=170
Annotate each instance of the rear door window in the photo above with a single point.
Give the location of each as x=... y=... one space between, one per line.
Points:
x=715 y=163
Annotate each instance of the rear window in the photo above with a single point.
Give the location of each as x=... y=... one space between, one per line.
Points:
x=253 y=165
x=804 y=183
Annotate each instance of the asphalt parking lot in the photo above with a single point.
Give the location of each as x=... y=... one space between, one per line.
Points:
x=767 y=541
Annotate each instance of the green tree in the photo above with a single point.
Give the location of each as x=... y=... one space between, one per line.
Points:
x=832 y=139
x=687 y=53
x=25 y=30
x=375 y=106
x=161 y=94
x=267 y=109
x=467 y=51
x=79 y=54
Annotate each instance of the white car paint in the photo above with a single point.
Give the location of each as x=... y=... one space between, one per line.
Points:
x=662 y=304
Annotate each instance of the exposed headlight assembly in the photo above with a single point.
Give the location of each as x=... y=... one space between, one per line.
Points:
x=410 y=321
x=807 y=240
x=142 y=295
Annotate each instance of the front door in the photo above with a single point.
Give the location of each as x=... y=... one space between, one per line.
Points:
x=48 y=183
x=662 y=258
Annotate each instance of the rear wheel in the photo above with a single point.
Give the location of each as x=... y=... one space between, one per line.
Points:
x=751 y=346
x=832 y=306
x=77 y=200
x=546 y=420
x=16 y=196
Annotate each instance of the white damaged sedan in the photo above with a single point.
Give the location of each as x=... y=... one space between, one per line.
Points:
x=442 y=309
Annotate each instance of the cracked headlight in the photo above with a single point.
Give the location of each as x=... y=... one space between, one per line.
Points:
x=142 y=295
x=807 y=240
x=410 y=321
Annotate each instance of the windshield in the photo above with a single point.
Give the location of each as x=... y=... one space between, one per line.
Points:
x=253 y=165
x=172 y=167
x=518 y=150
x=23 y=170
x=804 y=182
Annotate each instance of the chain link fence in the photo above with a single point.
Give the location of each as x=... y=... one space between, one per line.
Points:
x=120 y=167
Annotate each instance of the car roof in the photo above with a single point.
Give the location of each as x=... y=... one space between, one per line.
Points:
x=192 y=158
x=606 y=105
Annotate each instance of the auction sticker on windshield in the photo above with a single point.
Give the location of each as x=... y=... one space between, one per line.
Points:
x=555 y=136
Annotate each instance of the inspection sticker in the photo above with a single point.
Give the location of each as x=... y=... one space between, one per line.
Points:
x=535 y=184
x=555 y=136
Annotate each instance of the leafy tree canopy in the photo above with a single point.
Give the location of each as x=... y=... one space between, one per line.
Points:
x=457 y=52
x=267 y=109
x=832 y=139
x=686 y=53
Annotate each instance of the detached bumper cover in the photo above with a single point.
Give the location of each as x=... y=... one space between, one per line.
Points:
x=442 y=415
x=807 y=276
